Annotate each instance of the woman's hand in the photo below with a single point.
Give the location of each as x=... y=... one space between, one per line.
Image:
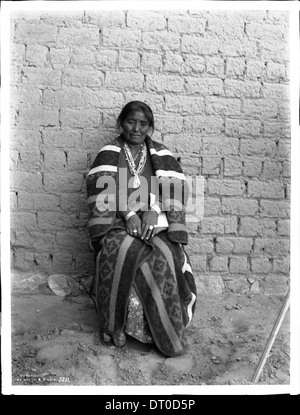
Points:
x=133 y=226
x=149 y=220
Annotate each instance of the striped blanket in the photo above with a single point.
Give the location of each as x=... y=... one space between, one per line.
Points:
x=161 y=274
x=104 y=173
x=159 y=269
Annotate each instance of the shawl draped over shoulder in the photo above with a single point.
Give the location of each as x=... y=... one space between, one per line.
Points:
x=166 y=168
x=158 y=269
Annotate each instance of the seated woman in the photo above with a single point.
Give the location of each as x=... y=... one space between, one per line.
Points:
x=144 y=285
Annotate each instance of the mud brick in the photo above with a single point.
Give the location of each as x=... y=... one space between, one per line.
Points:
x=218 y=85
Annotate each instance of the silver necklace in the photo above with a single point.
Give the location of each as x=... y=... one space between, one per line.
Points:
x=136 y=171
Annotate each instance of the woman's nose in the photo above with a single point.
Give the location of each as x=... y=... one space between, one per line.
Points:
x=136 y=127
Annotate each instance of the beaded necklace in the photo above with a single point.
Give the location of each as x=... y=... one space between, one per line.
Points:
x=135 y=171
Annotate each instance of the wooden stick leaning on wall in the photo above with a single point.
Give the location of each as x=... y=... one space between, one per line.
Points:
x=272 y=337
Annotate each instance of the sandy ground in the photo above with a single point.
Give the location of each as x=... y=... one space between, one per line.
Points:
x=55 y=342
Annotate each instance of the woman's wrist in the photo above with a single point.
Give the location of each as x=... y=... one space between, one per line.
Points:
x=128 y=215
x=155 y=208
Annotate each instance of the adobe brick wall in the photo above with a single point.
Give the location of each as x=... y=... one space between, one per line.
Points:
x=218 y=83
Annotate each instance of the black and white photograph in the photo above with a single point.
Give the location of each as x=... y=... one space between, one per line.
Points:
x=149 y=199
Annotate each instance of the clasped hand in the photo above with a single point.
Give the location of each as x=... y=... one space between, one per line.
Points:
x=143 y=227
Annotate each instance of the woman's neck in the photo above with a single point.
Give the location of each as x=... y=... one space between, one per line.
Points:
x=134 y=148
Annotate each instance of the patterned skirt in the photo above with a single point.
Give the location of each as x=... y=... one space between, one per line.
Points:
x=136 y=322
x=146 y=290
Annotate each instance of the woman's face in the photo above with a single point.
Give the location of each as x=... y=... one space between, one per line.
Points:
x=135 y=128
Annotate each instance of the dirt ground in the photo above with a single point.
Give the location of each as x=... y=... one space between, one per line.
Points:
x=55 y=342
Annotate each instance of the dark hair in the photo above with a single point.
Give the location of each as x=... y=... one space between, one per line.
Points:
x=133 y=106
